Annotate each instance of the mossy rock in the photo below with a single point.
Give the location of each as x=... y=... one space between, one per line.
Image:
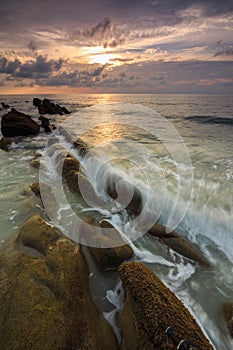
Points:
x=150 y=309
x=178 y=244
x=45 y=302
x=108 y=249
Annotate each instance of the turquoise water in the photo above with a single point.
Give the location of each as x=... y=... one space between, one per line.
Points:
x=204 y=204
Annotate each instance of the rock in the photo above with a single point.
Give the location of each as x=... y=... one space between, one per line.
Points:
x=152 y=316
x=135 y=204
x=117 y=250
x=36 y=102
x=16 y=123
x=81 y=146
x=45 y=301
x=5 y=143
x=48 y=107
x=228 y=315
x=179 y=244
x=45 y=123
x=35 y=163
x=5 y=106
x=35 y=187
x=70 y=163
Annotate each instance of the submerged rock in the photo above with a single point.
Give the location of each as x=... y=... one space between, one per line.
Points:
x=228 y=315
x=5 y=143
x=45 y=302
x=16 y=123
x=152 y=316
x=179 y=244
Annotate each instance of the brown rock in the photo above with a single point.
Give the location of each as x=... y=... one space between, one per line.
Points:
x=152 y=316
x=45 y=302
x=179 y=244
x=16 y=123
x=135 y=204
x=228 y=315
x=110 y=248
x=5 y=143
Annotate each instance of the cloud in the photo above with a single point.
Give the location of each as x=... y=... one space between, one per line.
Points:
x=226 y=52
x=40 y=67
x=32 y=46
x=99 y=30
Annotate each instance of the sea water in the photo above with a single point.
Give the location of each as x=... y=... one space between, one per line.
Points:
x=183 y=168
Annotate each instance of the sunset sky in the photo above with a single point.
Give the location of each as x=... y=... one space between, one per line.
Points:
x=116 y=46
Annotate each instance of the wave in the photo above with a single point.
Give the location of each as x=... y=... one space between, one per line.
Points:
x=210 y=119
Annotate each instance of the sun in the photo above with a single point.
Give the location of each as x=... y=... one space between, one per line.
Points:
x=101 y=58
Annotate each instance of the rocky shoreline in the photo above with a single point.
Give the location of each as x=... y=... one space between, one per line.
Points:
x=45 y=300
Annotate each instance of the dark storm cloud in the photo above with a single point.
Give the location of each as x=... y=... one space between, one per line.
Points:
x=40 y=67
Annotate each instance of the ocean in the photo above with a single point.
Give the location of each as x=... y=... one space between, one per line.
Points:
x=177 y=150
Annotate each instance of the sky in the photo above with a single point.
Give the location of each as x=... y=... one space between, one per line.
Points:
x=116 y=46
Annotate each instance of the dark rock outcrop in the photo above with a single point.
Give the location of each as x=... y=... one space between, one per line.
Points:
x=5 y=106
x=45 y=302
x=48 y=107
x=179 y=244
x=228 y=315
x=152 y=316
x=5 y=143
x=16 y=123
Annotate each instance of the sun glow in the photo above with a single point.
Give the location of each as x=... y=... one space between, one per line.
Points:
x=101 y=58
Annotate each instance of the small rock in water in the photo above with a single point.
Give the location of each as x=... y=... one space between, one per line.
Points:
x=5 y=143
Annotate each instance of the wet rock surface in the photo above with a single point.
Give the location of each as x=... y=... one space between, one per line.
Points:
x=179 y=244
x=5 y=143
x=110 y=249
x=45 y=301
x=152 y=316
x=15 y=123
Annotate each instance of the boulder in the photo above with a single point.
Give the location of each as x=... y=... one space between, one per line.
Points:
x=179 y=244
x=16 y=123
x=228 y=316
x=153 y=317
x=5 y=143
x=45 y=301
x=111 y=249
